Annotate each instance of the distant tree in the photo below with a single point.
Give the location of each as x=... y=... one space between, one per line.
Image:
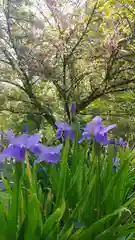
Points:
x=80 y=50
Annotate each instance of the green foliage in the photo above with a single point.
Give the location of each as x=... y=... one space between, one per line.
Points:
x=76 y=52
x=118 y=108
x=82 y=198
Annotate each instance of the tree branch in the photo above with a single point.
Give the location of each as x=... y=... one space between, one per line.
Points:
x=77 y=80
x=83 y=33
x=7 y=14
x=64 y=95
x=14 y=84
x=117 y=114
x=25 y=78
x=18 y=100
x=4 y=61
x=111 y=89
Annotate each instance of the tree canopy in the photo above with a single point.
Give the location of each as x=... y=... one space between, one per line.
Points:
x=54 y=53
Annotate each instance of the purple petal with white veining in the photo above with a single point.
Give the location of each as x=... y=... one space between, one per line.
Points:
x=13 y=151
x=33 y=140
x=40 y=149
x=37 y=149
x=49 y=157
x=108 y=128
x=20 y=140
x=62 y=125
x=84 y=136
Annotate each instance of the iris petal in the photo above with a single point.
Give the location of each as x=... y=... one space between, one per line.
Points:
x=59 y=134
x=13 y=151
x=85 y=135
x=33 y=140
x=20 y=140
x=64 y=129
x=95 y=128
x=50 y=158
x=49 y=154
x=10 y=136
x=108 y=128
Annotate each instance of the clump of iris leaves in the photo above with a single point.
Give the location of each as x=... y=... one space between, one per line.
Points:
x=81 y=189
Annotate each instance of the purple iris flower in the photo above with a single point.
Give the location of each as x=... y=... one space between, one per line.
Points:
x=49 y=154
x=23 y=140
x=64 y=129
x=18 y=145
x=95 y=128
x=120 y=142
